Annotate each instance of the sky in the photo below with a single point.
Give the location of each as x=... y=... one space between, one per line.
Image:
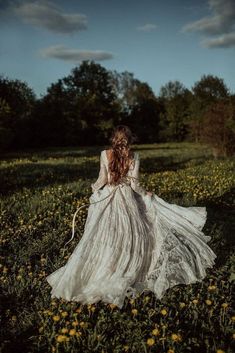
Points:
x=156 y=40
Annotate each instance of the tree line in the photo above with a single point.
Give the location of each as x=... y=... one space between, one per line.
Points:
x=83 y=107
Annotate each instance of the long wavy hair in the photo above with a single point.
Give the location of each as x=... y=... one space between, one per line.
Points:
x=121 y=156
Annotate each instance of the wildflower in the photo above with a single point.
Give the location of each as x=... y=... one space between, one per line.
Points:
x=64 y=314
x=125 y=348
x=170 y=350
x=175 y=337
x=208 y=301
x=150 y=341
x=64 y=330
x=163 y=312
x=61 y=338
x=155 y=332
x=233 y=318
x=224 y=305
x=219 y=351
x=195 y=301
x=134 y=311
x=210 y=288
x=182 y=305
x=75 y=323
x=72 y=332
x=56 y=317
x=147 y=298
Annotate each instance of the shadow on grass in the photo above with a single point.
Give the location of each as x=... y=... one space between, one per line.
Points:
x=220 y=225
x=30 y=175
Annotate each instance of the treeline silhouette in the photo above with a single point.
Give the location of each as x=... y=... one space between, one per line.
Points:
x=83 y=107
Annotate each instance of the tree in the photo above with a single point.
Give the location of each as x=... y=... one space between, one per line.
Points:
x=218 y=129
x=16 y=112
x=174 y=119
x=208 y=90
x=93 y=101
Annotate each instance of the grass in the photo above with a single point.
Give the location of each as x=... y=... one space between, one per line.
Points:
x=40 y=191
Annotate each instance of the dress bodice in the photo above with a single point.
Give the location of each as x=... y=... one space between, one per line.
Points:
x=131 y=179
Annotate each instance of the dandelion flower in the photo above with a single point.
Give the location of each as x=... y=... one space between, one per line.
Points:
x=208 y=301
x=163 y=312
x=72 y=332
x=150 y=341
x=155 y=332
x=56 y=317
x=134 y=311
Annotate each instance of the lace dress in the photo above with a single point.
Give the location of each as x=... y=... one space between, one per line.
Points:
x=132 y=242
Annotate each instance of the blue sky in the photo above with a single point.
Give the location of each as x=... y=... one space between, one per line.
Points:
x=158 y=41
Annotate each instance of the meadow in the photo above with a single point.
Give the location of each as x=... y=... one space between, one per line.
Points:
x=40 y=191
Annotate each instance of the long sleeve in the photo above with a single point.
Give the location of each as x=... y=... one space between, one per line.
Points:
x=135 y=184
x=103 y=175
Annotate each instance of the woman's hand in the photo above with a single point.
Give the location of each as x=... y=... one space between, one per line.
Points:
x=149 y=193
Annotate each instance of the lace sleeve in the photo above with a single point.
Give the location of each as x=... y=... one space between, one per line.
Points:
x=103 y=175
x=135 y=184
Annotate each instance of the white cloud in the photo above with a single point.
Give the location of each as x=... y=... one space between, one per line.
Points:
x=223 y=41
x=47 y=15
x=74 y=55
x=148 y=27
x=219 y=27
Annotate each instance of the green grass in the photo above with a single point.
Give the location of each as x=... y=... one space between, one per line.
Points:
x=40 y=191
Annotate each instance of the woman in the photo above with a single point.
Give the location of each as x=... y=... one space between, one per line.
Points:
x=133 y=240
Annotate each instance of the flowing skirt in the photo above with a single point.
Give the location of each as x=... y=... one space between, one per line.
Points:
x=133 y=243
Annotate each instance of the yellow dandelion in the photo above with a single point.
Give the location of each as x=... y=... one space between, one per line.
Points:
x=56 y=318
x=78 y=333
x=220 y=351
x=61 y=338
x=174 y=337
x=150 y=341
x=126 y=348
x=182 y=305
x=233 y=318
x=82 y=323
x=147 y=298
x=64 y=330
x=155 y=332
x=72 y=332
x=64 y=314
x=208 y=301
x=211 y=288
x=170 y=351
x=224 y=305
x=163 y=312
x=134 y=311
x=195 y=301
x=75 y=323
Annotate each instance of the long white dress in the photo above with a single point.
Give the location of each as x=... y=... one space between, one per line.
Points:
x=132 y=242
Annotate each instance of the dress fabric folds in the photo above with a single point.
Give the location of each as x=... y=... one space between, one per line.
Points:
x=132 y=242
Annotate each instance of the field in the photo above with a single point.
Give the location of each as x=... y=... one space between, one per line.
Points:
x=40 y=191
